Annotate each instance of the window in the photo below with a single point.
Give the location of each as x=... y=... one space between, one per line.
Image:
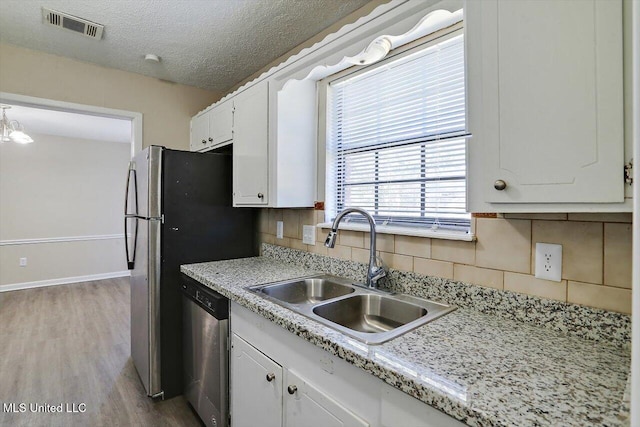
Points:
x=396 y=139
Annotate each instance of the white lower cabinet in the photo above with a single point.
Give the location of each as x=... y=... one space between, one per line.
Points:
x=279 y=379
x=256 y=394
x=261 y=395
x=306 y=405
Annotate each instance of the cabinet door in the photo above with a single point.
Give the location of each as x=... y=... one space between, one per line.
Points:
x=255 y=387
x=548 y=122
x=250 y=146
x=309 y=407
x=199 y=132
x=221 y=123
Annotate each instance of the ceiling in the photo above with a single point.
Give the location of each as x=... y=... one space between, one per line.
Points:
x=212 y=44
x=71 y=125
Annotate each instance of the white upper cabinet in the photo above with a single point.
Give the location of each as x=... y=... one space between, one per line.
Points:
x=199 y=132
x=212 y=128
x=221 y=123
x=545 y=105
x=274 y=146
x=251 y=145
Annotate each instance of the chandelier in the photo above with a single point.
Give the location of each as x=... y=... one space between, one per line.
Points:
x=12 y=130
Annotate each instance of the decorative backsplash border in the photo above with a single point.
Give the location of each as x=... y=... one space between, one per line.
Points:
x=577 y=320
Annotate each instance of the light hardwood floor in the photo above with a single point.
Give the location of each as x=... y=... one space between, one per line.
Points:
x=70 y=344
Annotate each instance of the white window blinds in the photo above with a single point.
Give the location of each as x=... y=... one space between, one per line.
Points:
x=396 y=140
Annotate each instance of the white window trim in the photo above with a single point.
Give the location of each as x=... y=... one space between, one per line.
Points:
x=407 y=231
x=322 y=135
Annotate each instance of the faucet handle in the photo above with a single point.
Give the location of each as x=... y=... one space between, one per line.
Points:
x=378 y=273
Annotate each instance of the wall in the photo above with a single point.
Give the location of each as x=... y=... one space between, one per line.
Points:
x=167 y=107
x=596 y=267
x=60 y=187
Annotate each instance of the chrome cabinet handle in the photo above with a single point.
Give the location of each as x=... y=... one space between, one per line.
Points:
x=271 y=376
x=499 y=185
x=204 y=141
x=210 y=139
x=260 y=196
x=292 y=389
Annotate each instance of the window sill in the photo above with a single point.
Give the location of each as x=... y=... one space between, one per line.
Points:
x=405 y=231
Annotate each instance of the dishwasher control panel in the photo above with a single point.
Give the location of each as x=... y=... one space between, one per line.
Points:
x=203 y=299
x=211 y=301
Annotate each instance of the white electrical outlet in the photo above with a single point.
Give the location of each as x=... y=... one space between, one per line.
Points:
x=279 y=230
x=549 y=261
x=23 y=262
x=309 y=234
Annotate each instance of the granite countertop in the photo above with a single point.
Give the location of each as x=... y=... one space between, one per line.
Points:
x=481 y=369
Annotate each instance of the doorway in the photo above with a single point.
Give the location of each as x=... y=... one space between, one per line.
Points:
x=63 y=194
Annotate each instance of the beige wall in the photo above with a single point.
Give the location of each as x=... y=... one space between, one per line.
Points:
x=167 y=107
x=59 y=188
x=61 y=262
x=596 y=248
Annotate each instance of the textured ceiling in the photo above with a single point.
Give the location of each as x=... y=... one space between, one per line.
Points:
x=211 y=44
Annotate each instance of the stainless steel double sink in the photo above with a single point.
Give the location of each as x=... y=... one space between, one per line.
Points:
x=368 y=315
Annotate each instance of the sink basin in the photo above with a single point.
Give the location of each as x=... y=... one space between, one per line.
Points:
x=370 y=313
x=307 y=291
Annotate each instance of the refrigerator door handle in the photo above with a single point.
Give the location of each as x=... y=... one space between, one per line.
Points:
x=131 y=258
x=131 y=172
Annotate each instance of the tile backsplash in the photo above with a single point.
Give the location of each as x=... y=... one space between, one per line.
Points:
x=596 y=252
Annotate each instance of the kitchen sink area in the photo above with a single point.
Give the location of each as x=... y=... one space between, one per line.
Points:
x=369 y=315
x=462 y=366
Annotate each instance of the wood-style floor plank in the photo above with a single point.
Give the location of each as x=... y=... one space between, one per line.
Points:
x=71 y=344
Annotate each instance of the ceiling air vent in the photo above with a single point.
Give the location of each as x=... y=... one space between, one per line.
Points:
x=72 y=23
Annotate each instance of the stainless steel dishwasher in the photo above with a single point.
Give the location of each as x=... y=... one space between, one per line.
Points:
x=205 y=327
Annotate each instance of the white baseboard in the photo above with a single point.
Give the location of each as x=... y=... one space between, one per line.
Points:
x=61 y=239
x=63 y=281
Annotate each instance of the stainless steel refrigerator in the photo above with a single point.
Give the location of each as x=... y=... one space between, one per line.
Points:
x=177 y=211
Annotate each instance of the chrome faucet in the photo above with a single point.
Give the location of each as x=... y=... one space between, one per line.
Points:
x=375 y=271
